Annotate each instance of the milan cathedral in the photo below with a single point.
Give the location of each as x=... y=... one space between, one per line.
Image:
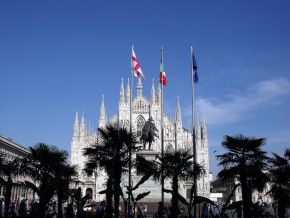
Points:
x=175 y=137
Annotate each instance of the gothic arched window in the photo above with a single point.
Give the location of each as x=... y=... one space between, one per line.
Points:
x=140 y=124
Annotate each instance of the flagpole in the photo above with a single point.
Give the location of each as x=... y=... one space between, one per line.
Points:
x=193 y=134
x=130 y=149
x=175 y=131
x=162 y=139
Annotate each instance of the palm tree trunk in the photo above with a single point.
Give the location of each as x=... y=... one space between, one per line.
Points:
x=281 y=208
x=247 y=197
x=189 y=209
x=59 y=204
x=41 y=208
x=117 y=182
x=44 y=197
x=125 y=208
x=7 y=197
x=174 y=200
x=109 y=199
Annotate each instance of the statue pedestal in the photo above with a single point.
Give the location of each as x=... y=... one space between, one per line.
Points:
x=150 y=185
x=149 y=155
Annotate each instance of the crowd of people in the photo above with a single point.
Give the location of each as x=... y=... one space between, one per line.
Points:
x=25 y=208
x=20 y=208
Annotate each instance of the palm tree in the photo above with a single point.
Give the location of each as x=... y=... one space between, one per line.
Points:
x=42 y=164
x=111 y=153
x=9 y=171
x=280 y=176
x=246 y=161
x=96 y=162
x=64 y=175
x=177 y=166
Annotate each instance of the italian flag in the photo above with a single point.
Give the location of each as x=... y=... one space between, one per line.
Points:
x=136 y=66
x=162 y=75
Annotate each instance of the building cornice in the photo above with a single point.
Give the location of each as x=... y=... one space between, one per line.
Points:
x=13 y=146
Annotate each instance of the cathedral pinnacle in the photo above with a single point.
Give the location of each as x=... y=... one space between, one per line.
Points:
x=128 y=92
x=159 y=94
x=198 y=133
x=153 y=100
x=102 y=118
x=139 y=88
x=82 y=126
x=203 y=128
x=122 y=94
x=76 y=126
x=178 y=112
x=203 y=123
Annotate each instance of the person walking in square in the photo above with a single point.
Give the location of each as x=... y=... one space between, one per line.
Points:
x=204 y=211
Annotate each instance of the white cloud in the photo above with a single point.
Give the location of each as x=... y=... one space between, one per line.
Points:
x=236 y=107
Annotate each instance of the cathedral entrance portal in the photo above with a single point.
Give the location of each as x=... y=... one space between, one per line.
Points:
x=169 y=148
x=89 y=192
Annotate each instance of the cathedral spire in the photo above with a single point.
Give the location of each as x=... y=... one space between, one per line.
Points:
x=102 y=118
x=178 y=111
x=159 y=94
x=88 y=128
x=197 y=121
x=203 y=129
x=76 y=127
x=139 y=88
x=153 y=100
x=198 y=133
x=128 y=92
x=82 y=126
x=122 y=94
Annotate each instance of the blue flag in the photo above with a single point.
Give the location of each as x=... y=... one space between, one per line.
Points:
x=194 y=67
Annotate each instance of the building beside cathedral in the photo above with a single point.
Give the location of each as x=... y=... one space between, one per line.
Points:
x=9 y=150
x=175 y=137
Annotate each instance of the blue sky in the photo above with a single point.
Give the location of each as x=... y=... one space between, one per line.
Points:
x=59 y=57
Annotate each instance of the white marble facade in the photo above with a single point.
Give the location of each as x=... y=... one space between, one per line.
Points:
x=175 y=137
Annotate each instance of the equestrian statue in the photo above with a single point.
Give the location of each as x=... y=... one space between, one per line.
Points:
x=148 y=133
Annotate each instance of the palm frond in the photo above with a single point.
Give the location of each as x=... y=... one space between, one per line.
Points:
x=33 y=187
x=142 y=195
x=180 y=197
